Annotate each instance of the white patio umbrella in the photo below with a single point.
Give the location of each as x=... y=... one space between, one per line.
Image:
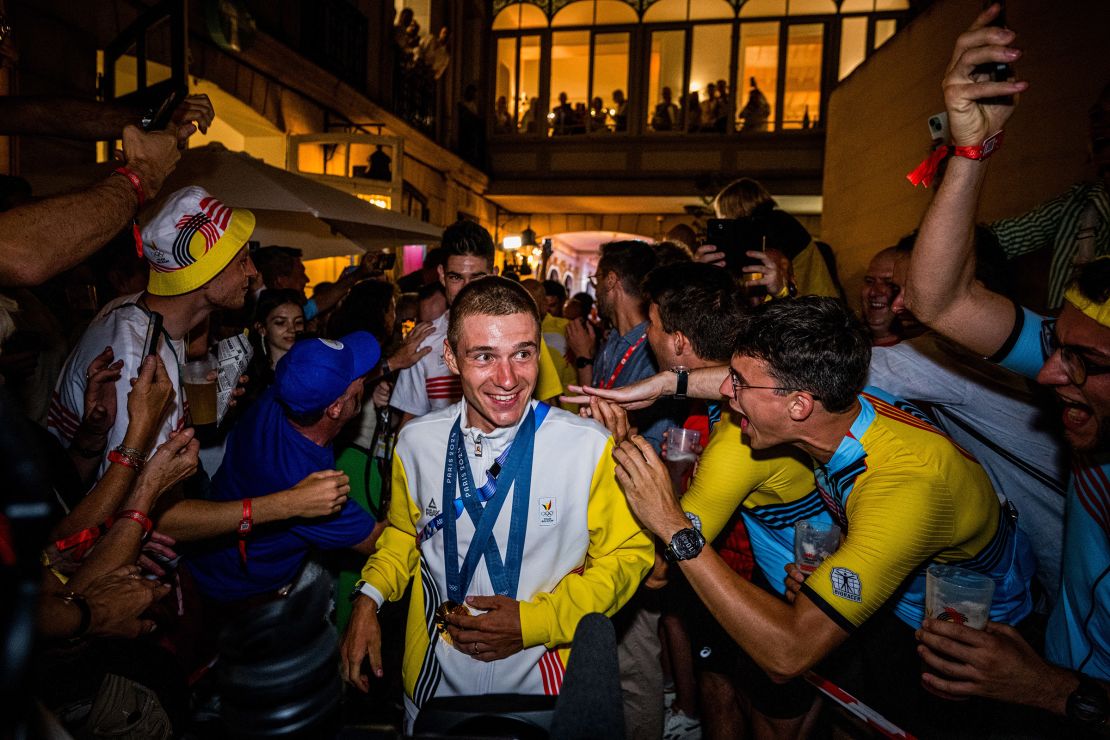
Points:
x=291 y=210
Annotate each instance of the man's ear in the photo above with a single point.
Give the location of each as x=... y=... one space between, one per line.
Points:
x=335 y=409
x=442 y=275
x=449 y=358
x=681 y=344
x=800 y=406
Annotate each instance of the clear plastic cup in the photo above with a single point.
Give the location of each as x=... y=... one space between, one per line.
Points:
x=814 y=541
x=680 y=451
x=958 y=595
x=200 y=391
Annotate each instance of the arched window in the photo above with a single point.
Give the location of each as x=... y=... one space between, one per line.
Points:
x=519 y=15
x=763 y=8
x=683 y=10
x=811 y=7
x=595 y=13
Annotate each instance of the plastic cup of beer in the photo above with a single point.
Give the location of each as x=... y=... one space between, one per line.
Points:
x=199 y=390
x=814 y=540
x=958 y=595
x=680 y=450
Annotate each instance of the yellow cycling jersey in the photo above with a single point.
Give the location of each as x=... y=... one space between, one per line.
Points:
x=905 y=494
x=765 y=482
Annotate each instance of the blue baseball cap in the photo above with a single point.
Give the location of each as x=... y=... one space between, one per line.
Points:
x=315 y=372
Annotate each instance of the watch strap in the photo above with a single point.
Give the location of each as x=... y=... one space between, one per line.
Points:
x=682 y=382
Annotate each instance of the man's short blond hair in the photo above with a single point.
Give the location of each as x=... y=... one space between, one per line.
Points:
x=489 y=296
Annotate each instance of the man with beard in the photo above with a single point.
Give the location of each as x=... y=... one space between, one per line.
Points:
x=197 y=249
x=499 y=588
x=1071 y=355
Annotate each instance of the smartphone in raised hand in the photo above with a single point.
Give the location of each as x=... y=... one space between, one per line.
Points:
x=153 y=334
x=997 y=71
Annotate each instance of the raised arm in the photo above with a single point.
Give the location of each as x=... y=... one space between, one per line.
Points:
x=41 y=239
x=703 y=383
x=941 y=290
x=320 y=494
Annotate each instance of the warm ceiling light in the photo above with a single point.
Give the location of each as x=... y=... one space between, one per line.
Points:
x=510 y=243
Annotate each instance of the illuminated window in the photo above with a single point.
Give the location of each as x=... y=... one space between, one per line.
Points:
x=811 y=7
x=371 y=161
x=668 y=57
x=595 y=13
x=709 y=62
x=683 y=10
x=570 y=70
x=802 y=91
x=505 y=90
x=892 y=4
x=853 y=44
x=762 y=8
x=758 y=76
x=529 y=105
x=520 y=15
x=884 y=29
x=608 y=108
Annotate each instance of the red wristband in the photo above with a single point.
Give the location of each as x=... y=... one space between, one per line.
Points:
x=246 y=524
x=139 y=517
x=81 y=542
x=924 y=173
x=138 y=185
x=125 y=460
x=135 y=181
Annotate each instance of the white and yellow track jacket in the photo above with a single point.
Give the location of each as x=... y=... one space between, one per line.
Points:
x=584 y=552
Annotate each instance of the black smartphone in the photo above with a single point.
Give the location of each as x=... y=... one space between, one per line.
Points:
x=997 y=71
x=153 y=333
x=156 y=119
x=734 y=237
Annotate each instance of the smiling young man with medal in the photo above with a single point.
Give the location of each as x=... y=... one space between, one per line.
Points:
x=507 y=513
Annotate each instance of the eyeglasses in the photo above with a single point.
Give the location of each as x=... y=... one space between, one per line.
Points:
x=738 y=384
x=592 y=279
x=1076 y=367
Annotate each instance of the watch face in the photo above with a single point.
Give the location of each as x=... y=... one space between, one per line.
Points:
x=687 y=544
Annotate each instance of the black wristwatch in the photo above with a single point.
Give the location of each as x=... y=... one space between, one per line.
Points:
x=683 y=379
x=583 y=362
x=1088 y=705
x=684 y=545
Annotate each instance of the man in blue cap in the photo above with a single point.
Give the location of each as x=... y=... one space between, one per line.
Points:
x=261 y=522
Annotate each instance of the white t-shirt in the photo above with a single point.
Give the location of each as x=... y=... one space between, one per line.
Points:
x=121 y=325
x=428 y=385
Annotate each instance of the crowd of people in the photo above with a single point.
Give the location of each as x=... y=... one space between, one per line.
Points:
x=706 y=111
x=468 y=468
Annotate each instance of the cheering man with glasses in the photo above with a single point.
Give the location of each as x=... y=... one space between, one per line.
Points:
x=1071 y=356
x=902 y=492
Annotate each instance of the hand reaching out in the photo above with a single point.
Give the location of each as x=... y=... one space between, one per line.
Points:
x=195 y=112
x=410 y=351
x=322 y=493
x=100 y=392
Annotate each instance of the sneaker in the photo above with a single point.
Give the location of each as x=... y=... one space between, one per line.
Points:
x=678 y=726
